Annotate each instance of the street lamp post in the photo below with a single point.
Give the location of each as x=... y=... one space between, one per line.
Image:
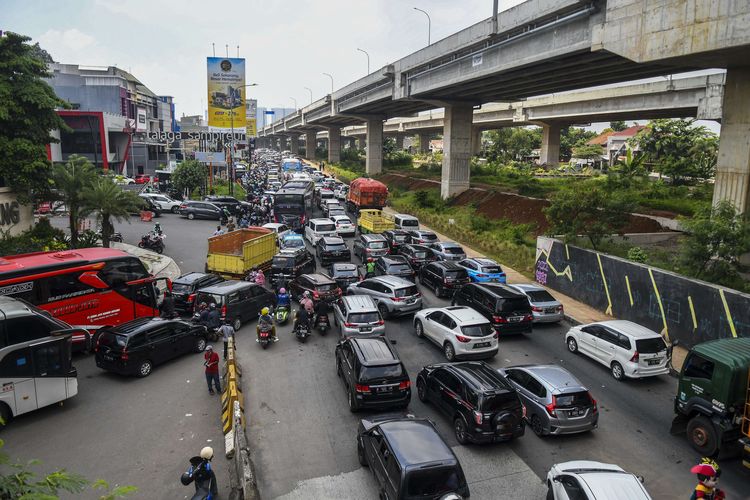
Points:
x=309 y=90
x=368 y=59
x=295 y=103
x=230 y=169
x=331 y=77
x=429 y=23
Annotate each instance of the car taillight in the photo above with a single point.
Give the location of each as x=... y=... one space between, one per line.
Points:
x=349 y=325
x=125 y=355
x=224 y=311
x=482 y=276
x=404 y=385
x=96 y=347
x=380 y=322
x=191 y=298
x=368 y=250
x=463 y=339
x=551 y=407
x=398 y=299
x=498 y=319
x=528 y=317
x=183 y=206
x=316 y=295
x=593 y=403
x=560 y=309
x=536 y=309
x=495 y=335
x=523 y=410
x=362 y=388
x=635 y=357
x=478 y=417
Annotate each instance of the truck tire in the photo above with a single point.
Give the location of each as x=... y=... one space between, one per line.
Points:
x=702 y=436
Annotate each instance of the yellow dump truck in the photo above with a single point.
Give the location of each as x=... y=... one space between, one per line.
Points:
x=235 y=253
x=374 y=221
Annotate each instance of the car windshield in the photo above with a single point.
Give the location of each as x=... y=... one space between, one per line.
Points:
x=345 y=273
x=336 y=246
x=283 y=261
x=376 y=244
x=399 y=238
x=180 y=288
x=399 y=268
x=428 y=237
x=294 y=243
x=432 y=483
x=540 y=296
x=407 y=292
x=453 y=250
x=380 y=371
x=491 y=269
x=210 y=298
x=325 y=227
x=410 y=223
x=573 y=400
x=420 y=254
x=455 y=274
x=481 y=330
x=109 y=339
x=513 y=304
x=650 y=346
x=341 y=222
x=325 y=287
x=368 y=317
x=501 y=401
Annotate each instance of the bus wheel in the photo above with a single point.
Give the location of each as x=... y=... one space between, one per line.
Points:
x=5 y=413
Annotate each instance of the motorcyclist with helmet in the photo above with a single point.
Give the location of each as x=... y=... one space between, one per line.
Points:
x=201 y=472
x=265 y=321
x=307 y=302
x=282 y=299
x=203 y=311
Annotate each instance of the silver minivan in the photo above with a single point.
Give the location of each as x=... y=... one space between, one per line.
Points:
x=393 y=295
x=556 y=402
x=405 y=222
x=544 y=306
x=357 y=316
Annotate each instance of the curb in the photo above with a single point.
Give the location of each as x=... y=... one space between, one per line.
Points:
x=570 y=319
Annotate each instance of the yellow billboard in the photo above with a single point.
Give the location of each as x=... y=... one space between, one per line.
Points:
x=226 y=92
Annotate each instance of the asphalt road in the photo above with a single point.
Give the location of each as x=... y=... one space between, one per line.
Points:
x=301 y=432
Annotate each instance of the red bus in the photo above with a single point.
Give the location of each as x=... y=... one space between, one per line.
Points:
x=87 y=287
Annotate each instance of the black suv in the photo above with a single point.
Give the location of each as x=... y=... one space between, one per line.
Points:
x=238 y=301
x=345 y=273
x=444 y=277
x=484 y=406
x=396 y=238
x=291 y=263
x=409 y=459
x=394 y=265
x=135 y=347
x=508 y=311
x=417 y=255
x=332 y=248
x=373 y=375
x=232 y=204
x=185 y=287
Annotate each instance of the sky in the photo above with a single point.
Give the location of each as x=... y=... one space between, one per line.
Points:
x=288 y=44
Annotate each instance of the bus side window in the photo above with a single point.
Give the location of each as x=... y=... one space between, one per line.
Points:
x=16 y=364
x=120 y=271
x=25 y=328
x=48 y=360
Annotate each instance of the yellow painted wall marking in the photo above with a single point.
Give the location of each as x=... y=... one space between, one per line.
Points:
x=606 y=287
x=692 y=313
x=665 y=331
x=567 y=255
x=729 y=314
x=564 y=272
x=630 y=294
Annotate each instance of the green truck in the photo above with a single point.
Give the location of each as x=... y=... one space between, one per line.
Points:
x=713 y=397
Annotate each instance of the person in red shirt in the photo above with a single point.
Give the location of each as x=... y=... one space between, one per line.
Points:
x=212 y=369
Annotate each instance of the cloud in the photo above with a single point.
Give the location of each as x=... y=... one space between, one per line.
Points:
x=71 y=40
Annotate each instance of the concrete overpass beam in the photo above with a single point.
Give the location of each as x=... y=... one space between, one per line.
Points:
x=311 y=143
x=476 y=141
x=294 y=144
x=424 y=143
x=733 y=165
x=374 y=157
x=456 y=149
x=334 y=144
x=550 y=154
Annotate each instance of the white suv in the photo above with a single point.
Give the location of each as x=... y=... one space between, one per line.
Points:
x=163 y=202
x=318 y=228
x=584 y=480
x=344 y=225
x=628 y=349
x=459 y=330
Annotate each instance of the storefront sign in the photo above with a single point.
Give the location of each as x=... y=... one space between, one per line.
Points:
x=198 y=136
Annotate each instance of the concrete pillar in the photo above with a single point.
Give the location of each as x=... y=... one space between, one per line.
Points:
x=399 y=142
x=361 y=142
x=424 y=143
x=550 y=154
x=456 y=149
x=311 y=142
x=294 y=144
x=334 y=144
x=374 y=156
x=733 y=165
x=282 y=143
x=476 y=141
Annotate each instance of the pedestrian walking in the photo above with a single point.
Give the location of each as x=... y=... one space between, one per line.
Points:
x=212 y=369
x=227 y=331
x=219 y=231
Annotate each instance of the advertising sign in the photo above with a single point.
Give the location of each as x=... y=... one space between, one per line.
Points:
x=141 y=125
x=252 y=121
x=226 y=92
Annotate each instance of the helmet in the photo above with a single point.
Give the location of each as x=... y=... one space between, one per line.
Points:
x=207 y=453
x=186 y=478
x=307 y=294
x=282 y=290
x=213 y=305
x=264 y=311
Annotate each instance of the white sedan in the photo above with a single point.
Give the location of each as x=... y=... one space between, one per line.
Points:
x=344 y=225
x=588 y=480
x=460 y=331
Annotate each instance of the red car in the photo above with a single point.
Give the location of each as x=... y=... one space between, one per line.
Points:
x=142 y=179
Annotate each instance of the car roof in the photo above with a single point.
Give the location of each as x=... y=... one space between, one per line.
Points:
x=527 y=287
x=374 y=351
x=340 y=217
x=500 y=290
x=395 y=281
x=140 y=324
x=344 y=266
x=629 y=328
x=415 y=442
x=321 y=220
x=373 y=237
x=448 y=244
x=362 y=303
x=482 y=261
x=422 y=231
x=190 y=278
x=405 y=216
x=554 y=376
x=466 y=315
x=392 y=259
x=225 y=287
x=605 y=480
x=418 y=247
x=319 y=278
x=479 y=375
x=333 y=240
x=447 y=264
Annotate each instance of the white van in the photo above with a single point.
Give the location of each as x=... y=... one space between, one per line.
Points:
x=318 y=228
x=406 y=222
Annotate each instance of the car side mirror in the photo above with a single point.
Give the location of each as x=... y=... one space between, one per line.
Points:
x=556 y=479
x=393 y=342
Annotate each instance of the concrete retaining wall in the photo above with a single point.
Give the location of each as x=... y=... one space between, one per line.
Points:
x=680 y=308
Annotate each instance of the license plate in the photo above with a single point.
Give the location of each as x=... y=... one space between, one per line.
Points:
x=365 y=330
x=550 y=310
x=109 y=358
x=383 y=389
x=515 y=319
x=653 y=361
x=479 y=345
x=577 y=412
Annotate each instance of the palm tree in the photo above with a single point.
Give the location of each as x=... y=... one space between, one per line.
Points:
x=107 y=200
x=70 y=180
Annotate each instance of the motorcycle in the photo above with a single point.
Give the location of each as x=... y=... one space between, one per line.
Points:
x=202 y=475
x=264 y=335
x=302 y=331
x=322 y=323
x=213 y=333
x=153 y=242
x=281 y=314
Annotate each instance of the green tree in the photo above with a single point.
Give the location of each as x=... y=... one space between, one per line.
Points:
x=188 y=176
x=588 y=152
x=631 y=166
x=716 y=238
x=27 y=115
x=588 y=211
x=618 y=126
x=70 y=180
x=513 y=143
x=678 y=149
x=571 y=137
x=107 y=200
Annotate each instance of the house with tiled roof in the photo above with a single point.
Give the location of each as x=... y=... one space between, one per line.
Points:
x=613 y=143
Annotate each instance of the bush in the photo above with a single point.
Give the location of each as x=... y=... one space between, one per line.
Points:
x=636 y=254
x=40 y=238
x=397 y=158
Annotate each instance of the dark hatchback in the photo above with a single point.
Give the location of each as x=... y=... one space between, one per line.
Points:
x=320 y=286
x=508 y=311
x=417 y=255
x=332 y=248
x=483 y=405
x=444 y=277
x=394 y=265
x=291 y=264
x=396 y=238
x=409 y=459
x=135 y=347
x=186 y=286
x=345 y=273
x=373 y=375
